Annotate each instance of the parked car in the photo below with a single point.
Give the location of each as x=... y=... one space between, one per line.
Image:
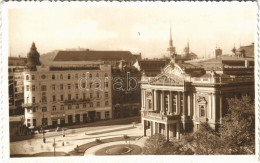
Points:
x=60 y=129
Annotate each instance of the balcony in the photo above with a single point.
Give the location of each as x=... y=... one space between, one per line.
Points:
x=28 y=105
x=159 y=116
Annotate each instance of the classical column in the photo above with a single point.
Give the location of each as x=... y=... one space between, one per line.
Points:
x=155 y=100
x=151 y=126
x=220 y=108
x=178 y=103
x=210 y=106
x=144 y=122
x=194 y=106
x=144 y=95
x=189 y=103
x=170 y=103
x=214 y=106
x=142 y=99
x=162 y=101
x=167 y=131
x=178 y=131
x=184 y=104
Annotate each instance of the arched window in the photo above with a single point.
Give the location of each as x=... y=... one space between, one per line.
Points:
x=27 y=77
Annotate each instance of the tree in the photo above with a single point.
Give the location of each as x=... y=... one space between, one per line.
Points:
x=204 y=141
x=237 y=129
x=158 y=145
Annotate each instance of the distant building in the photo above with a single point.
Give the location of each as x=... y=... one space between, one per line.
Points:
x=16 y=66
x=217 y=52
x=152 y=67
x=112 y=58
x=244 y=51
x=65 y=94
x=185 y=94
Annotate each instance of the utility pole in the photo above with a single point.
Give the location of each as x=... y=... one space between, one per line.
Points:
x=43 y=132
x=54 y=146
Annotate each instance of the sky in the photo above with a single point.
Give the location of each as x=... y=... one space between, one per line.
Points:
x=139 y=28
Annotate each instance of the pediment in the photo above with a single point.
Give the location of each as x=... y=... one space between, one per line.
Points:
x=166 y=79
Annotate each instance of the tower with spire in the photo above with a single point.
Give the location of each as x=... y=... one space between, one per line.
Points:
x=33 y=58
x=186 y=50
x=171 y=49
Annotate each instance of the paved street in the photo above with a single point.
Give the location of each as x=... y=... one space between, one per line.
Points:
x=77 y=137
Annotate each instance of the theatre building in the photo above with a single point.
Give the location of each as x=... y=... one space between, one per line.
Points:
x=185 y=94
x=69 y=93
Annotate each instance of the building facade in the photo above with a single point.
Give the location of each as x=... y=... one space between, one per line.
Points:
x=185 y=94
x=56 y=95
x=16 y=65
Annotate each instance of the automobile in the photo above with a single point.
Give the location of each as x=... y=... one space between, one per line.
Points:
x=60 y=129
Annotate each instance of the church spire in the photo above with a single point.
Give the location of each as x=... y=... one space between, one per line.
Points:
x=171 y=48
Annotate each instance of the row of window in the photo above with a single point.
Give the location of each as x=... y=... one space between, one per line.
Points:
x=70 y=119
x=69 y=86
x=69 y=107
x=68 y=76
x=69 y=97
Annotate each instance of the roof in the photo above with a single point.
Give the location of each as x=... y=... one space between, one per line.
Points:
x=90 y=55
x=249 y=50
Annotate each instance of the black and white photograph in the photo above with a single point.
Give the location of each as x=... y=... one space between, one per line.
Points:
x=130 y=80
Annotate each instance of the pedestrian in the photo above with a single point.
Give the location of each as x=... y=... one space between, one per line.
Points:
x=62 y=143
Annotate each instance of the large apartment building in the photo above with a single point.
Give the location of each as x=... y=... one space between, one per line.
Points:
x=68 y=93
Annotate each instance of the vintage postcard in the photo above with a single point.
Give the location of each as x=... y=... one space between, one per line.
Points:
x=125 y=82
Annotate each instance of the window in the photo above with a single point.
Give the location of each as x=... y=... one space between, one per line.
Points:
x=69 y=107
x=53 y=98
x=106 y=75
x=83 y=85
x=27 y=77
x=106 y=94
x=53 y=87
x=44 y=109
x=90 y=85
x=43 y=88
x=97 y=85
x=27 y=88
x=34 y=109
x=83 y=75
x=53 y=108
x=61 y=76
x=202 y=110
x=44 y=98
x=44 y=121
x=61 y=97
x=91 y=95
x=107 y=114
x=77 y=96
x=33 y=100
x=33 y=77
x=28 y=122
x=69 y=96
x=34 y=122
x=98 y=104
x=77 y=106
x=84 y=96
x=16 y=89
x=68 y=76
x=33 y=87
x=69 y=86
x=84 y=105
x=77 y=86
x=61 y=86
x=91 y=104
x=98 y=95
x=150 y=104
x=90 y=75
x=62 y=107
x=53 y=77
x=106 y=84
x=106 y=103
